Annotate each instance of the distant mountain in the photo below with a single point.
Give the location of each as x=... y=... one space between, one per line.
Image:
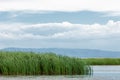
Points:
x=83 y=53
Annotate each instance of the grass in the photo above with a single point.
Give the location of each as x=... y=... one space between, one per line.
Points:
x=29 y=63
x=102 y=61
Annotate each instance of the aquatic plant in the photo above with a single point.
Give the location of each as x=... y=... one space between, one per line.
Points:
x=30 y=63
x=102 y=61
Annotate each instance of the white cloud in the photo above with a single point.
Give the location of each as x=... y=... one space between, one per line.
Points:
x=112 y=14
x=60 y=5
x=59 y=31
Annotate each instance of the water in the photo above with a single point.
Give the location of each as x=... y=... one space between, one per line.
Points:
x=99 y=73
x=106 y=70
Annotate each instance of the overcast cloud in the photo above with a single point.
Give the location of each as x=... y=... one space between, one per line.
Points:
x=64 y=30
x=61 y=35
x=111 y=6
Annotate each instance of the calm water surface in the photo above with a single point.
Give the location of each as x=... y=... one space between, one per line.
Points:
x=99 y=73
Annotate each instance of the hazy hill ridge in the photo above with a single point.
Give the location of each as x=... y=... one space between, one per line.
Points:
x=84 y=53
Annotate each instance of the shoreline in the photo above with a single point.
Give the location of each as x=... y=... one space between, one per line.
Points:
x=59 y=78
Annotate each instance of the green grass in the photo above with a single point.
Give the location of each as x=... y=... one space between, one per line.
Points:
x=28 y=63
x=102 y=61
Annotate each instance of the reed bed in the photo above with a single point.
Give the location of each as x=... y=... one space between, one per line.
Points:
x=29 y=63
x=102 y=61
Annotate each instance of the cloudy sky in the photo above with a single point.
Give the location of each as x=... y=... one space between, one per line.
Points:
x=84 y=24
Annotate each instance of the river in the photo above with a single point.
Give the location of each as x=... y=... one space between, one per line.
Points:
x=99 y=73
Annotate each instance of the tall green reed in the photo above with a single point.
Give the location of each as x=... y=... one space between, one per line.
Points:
x=29 y=63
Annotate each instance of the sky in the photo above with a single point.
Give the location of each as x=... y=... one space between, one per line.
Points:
x=82 y=24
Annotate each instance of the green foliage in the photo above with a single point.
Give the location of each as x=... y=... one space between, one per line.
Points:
x=103 y=61
x=29 y=63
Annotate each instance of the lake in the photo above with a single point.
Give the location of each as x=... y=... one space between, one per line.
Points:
x=99 y=73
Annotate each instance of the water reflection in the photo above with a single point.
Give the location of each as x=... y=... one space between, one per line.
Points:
x=99 y=73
